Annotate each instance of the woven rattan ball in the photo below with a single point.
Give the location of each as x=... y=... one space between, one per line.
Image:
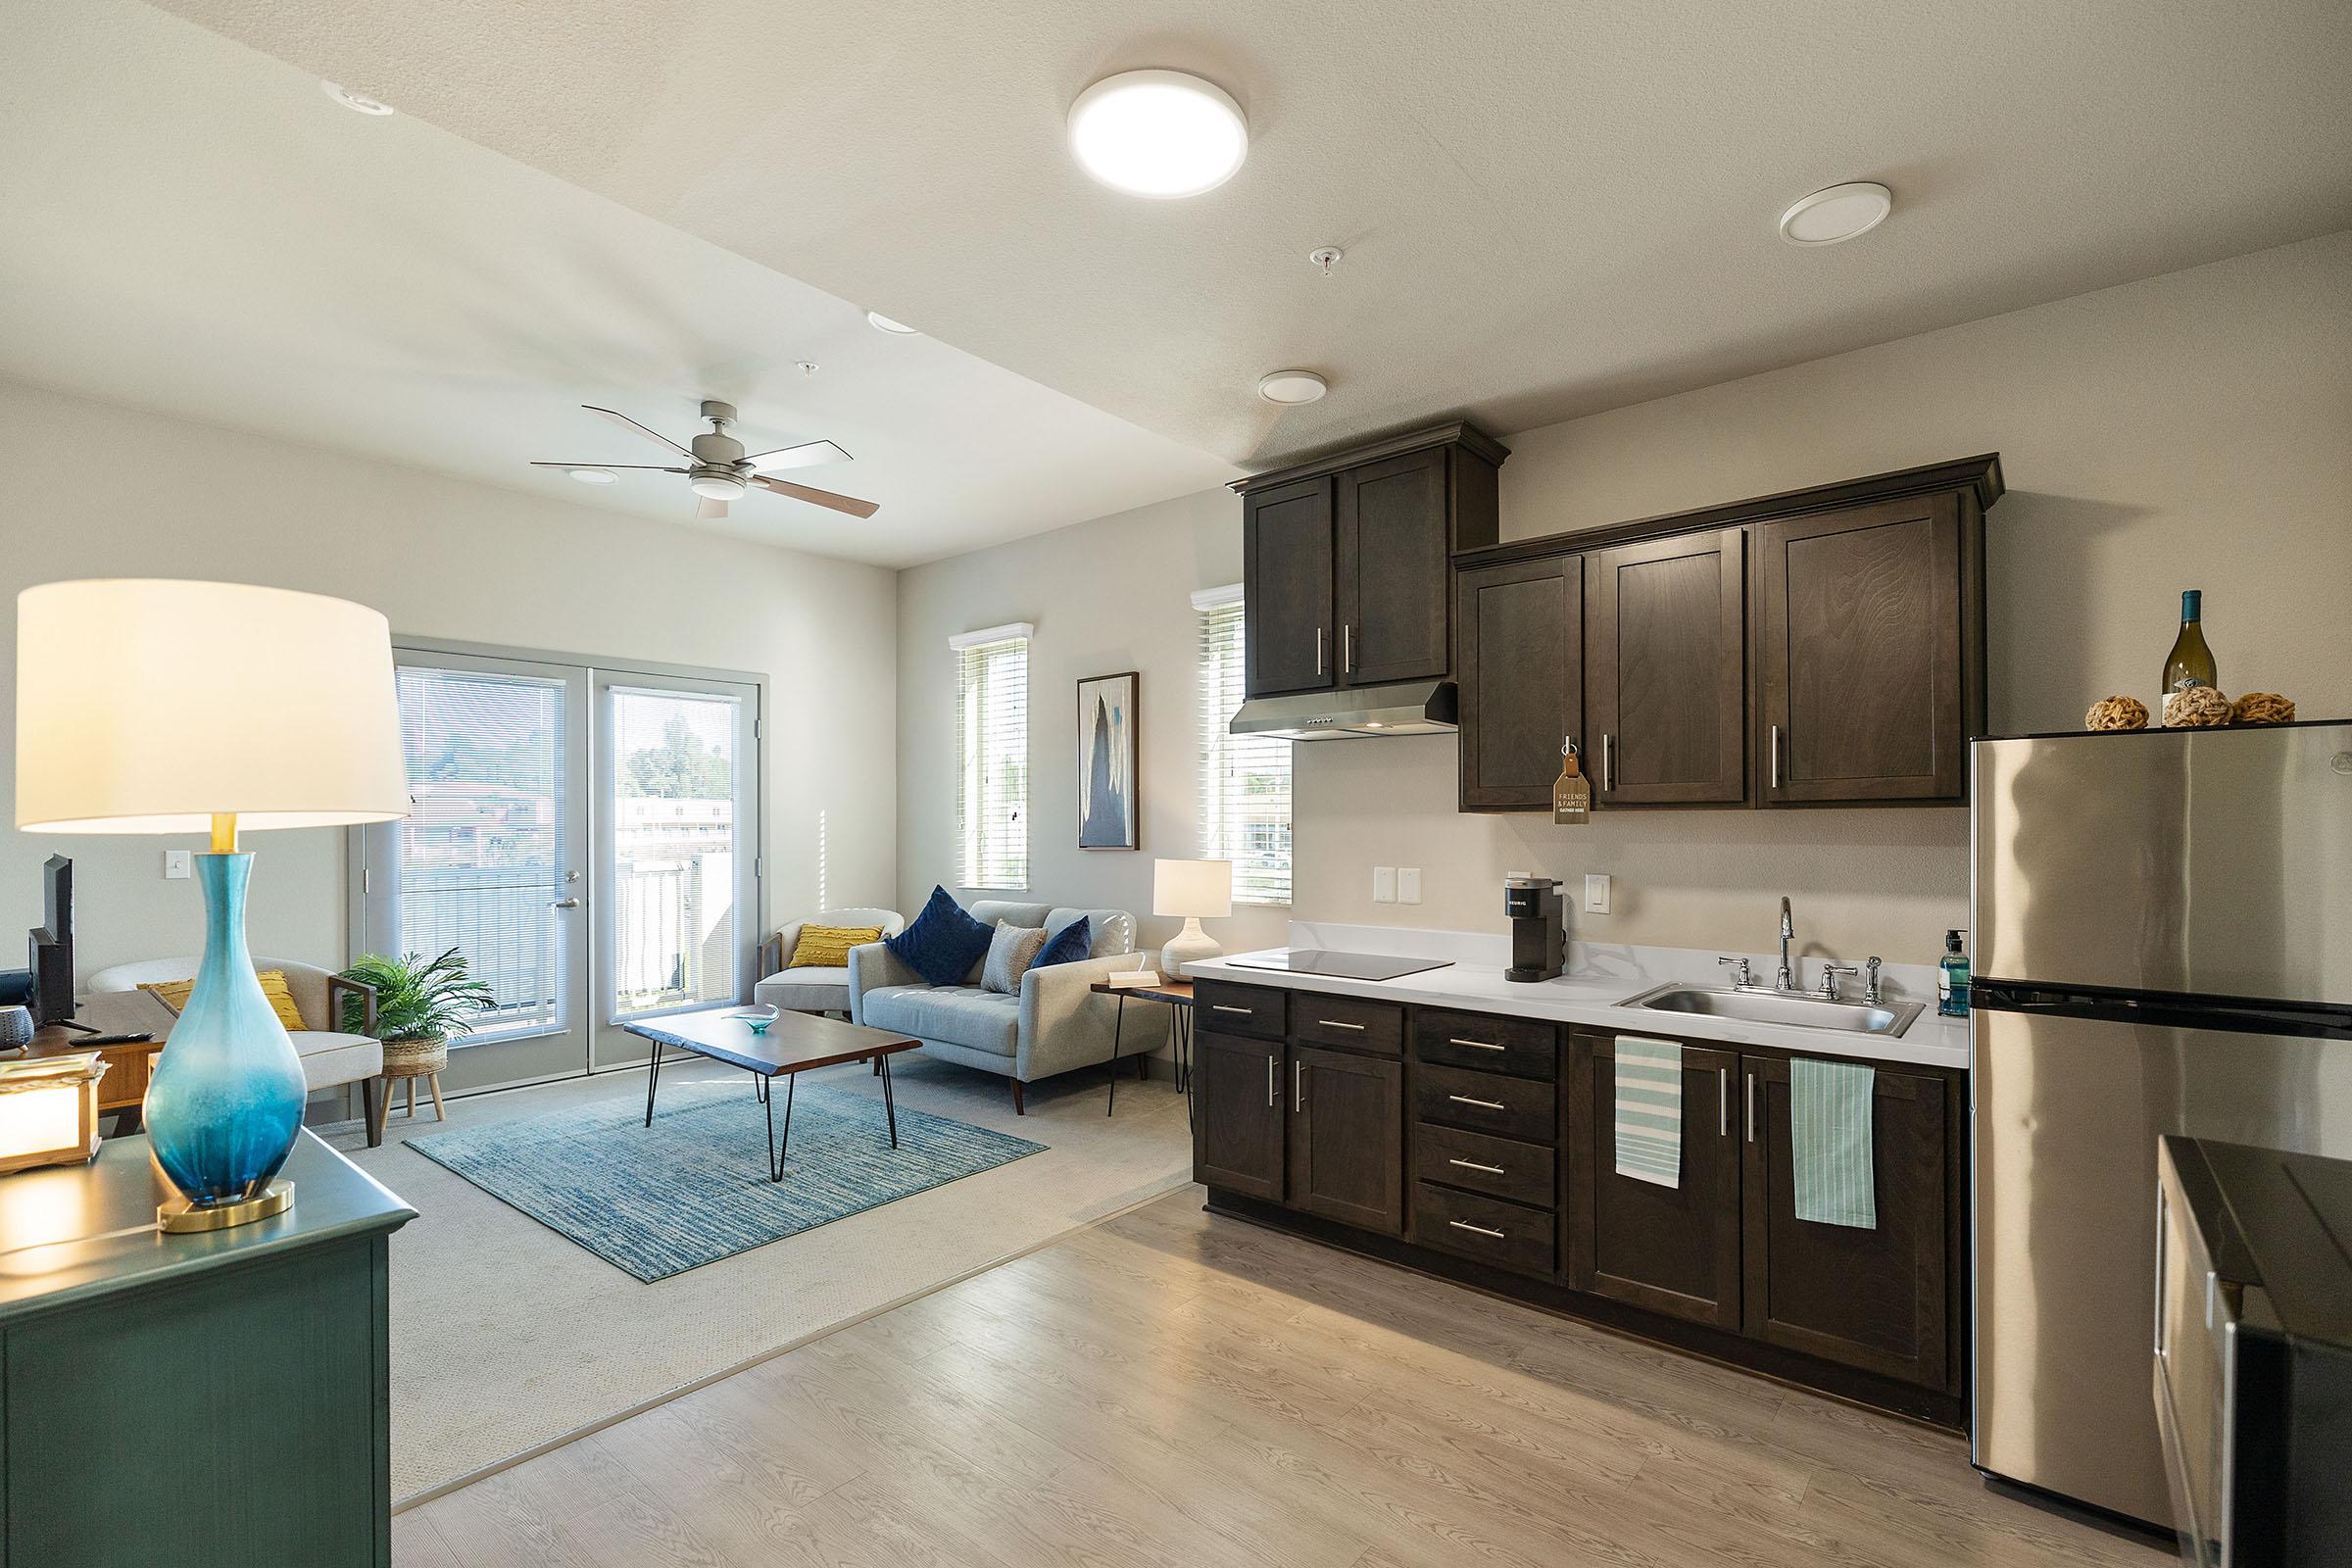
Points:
x=2116 y=712
x=2195 y=708
x=2264 y=708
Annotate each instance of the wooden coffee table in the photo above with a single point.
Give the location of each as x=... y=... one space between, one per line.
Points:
x=795 y=1043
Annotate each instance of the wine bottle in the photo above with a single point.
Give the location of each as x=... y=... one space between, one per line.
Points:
x=2191 y=663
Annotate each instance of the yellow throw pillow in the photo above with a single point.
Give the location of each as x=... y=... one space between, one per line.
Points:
x=175 y=995
x=827 y=947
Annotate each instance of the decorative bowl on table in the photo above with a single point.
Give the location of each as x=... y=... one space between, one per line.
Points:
x=757 y=1017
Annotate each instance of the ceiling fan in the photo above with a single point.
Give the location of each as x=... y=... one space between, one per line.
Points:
x=721 y=472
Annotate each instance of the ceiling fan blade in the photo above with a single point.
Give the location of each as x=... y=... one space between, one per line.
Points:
x=624 y=421
x=649 y=467
x=817 y=498
x=711 y=508
x=807 y=454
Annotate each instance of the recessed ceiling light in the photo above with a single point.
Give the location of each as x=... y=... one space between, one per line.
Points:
x=883 y=323
x=593 y=475
x=1837 y=214
x=357 y=102
x=1292 y=386
x=1158 y=133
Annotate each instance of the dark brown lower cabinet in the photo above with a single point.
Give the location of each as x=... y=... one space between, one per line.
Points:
x=1673 y=1250
x=1238 y=1111
x=1879 y=1300
x=1347 y=1138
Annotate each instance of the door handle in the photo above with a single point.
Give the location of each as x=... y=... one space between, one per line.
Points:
x=1723 y=1102
x=1775 y=757
x=1483 y=1104
x=565 y=903
x=1348 y=648
x=1319 y=650
x=1297 y=1086
x=1478 y=1230
x=1752 y=1107
x=1609 y=759
x=1269 y=1083
x=1472 y=1164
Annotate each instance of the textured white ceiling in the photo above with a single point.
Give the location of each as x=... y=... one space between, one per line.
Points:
x=189 y=225
x=1547 y=207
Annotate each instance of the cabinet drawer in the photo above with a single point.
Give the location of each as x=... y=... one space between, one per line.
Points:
x=1232 y=1010
x=1348 y=1022
x=1501 y=1166
x=1486 y=1103
x=1511 y=1236
x=1480 y=1040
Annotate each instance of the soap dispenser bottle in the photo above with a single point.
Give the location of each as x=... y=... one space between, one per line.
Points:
x=1952 y=978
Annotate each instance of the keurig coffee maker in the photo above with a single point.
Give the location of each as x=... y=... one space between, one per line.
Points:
x=1539 y=927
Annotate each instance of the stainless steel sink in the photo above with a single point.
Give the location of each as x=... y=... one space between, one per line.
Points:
x=1779 y=1008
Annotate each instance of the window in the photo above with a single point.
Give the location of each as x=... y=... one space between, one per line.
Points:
x=1245 y=779
x=992 y=747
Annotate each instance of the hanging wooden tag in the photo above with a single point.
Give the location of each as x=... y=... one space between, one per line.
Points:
x=1572 y=792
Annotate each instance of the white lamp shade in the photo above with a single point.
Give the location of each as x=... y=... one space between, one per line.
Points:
x=146 y=705
x=1200 y=889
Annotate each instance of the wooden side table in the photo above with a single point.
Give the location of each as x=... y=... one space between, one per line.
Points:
x=1178 y=995
x=123 y=1089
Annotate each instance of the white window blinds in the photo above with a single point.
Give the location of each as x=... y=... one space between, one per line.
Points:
x=992 y=747
x=1245 y=779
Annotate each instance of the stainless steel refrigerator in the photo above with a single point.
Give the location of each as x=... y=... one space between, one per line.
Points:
x=2163 y=944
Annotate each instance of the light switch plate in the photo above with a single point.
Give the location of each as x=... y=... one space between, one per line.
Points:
x=179 y=864
x=1383 y=884
x=1408 y=884
x=1596 y=894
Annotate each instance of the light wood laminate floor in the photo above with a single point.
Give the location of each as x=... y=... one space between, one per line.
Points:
x=1185 y=1391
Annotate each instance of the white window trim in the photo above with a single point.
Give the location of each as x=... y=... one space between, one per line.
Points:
x=994 y=878
x=1214 y=749
x=1022 y=630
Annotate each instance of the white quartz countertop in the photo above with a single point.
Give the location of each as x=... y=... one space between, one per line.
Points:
x=1588 y=993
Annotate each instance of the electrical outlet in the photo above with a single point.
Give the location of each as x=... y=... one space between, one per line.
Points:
x=1383 y=884
x=1408 y=884
x=1596 y=894
x=179 y=864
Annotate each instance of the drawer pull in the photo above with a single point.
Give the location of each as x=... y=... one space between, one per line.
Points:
x=1478 y=1230
x=1483 y=1104
x=1219 y=1007
x=1475 y=1044
x=1472 y=1164
x=1333 y=1023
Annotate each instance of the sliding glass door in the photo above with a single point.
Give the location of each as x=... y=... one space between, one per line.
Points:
x=587 y=837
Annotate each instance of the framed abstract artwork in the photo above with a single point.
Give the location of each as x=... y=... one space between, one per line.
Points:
x=1106 y=761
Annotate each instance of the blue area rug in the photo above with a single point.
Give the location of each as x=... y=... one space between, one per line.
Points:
x=693 y=1188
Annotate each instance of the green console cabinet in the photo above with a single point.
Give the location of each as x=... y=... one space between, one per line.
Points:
x=215 y=1400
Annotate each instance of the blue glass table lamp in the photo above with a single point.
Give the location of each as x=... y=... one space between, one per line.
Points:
x=147 y=706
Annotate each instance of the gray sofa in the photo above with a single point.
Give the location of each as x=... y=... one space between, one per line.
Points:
x=1055 y=1024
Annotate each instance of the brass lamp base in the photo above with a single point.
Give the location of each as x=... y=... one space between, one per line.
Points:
x=180 y=1217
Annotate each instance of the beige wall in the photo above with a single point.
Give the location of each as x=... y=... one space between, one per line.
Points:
x=2192 y=430
x=445 y=559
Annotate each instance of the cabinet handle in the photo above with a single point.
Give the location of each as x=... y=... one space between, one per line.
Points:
x=1219 y=1007
x=1319 y=650
x=1348 y=648
x=1775 y=757
x=1472 y=1164
x=1297 y=1086
x=1723 y=1102
x=1475 y=1044
x=1269 y=1083
x=1752 y=1106
x=1333 y=1023
x=1478 y=1230
x=1609 y=759
x=1483 y=1104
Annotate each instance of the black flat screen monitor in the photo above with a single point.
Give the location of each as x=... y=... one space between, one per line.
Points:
x=51 y=949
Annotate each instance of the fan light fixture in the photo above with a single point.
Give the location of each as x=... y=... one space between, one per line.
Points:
x=1838 y=213
x=1293 y=387
x=1161 y=134
x=358 y=103
x=717 y=486
x=593 y=475
x=883 y=323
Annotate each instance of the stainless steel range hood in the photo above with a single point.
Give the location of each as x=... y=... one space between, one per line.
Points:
x=1412 y=707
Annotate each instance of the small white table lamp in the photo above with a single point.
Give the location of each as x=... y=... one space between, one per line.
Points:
x=1196 y=890
x=157 y=707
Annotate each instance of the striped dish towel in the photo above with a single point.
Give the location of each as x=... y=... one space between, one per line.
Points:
x=1649 y=1110
x=1830 y=1142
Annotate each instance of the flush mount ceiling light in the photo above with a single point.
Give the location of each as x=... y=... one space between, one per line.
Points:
x=1837 y=214
x=1158 y=133
x=357 y=102
x=883 y=323
x=1293 y=387
x=593 y=475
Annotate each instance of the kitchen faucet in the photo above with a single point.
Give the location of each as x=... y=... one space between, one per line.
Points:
x=1786 y=980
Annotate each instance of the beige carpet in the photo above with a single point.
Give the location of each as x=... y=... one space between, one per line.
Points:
x=507 y=1337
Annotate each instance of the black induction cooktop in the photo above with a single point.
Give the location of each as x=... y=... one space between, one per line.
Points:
x=1339 y=965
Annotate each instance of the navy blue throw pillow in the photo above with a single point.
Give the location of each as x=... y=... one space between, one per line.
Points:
x=943 y=943
x=1067 y=946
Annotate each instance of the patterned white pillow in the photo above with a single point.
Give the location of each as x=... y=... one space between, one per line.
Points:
x=1011 y=949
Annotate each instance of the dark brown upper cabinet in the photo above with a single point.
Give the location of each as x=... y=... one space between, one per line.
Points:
x=1666 y=670
x=1519 y=662
x=1866 y=665
x=1344 y=559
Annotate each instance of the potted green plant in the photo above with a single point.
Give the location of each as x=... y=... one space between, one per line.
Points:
x=418 y=1007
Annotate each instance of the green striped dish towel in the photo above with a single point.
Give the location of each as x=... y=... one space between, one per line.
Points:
x=1649 y=1110
x=1830 y=1142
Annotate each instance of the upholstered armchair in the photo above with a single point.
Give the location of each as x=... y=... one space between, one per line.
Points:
x=812 y=988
